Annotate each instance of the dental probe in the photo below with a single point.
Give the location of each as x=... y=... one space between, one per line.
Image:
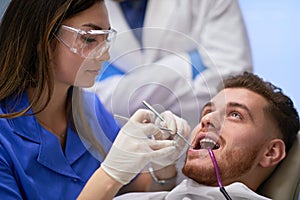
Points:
x=162 y=119
x=160 y=127
x=127 y=119
x=154 y=111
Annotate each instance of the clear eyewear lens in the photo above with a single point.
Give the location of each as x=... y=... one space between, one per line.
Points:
x=97 y=44
x=89 y=44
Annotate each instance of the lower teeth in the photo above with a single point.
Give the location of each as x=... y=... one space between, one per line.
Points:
x=205 y=145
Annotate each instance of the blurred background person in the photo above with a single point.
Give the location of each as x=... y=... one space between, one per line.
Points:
x=172 y=53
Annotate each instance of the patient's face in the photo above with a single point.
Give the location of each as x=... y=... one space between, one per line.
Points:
x=235 y=125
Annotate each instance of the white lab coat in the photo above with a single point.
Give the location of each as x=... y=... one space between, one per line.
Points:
x=190 y=190
x=161 y=73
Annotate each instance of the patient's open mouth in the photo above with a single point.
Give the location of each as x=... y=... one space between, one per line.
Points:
x=206 y=143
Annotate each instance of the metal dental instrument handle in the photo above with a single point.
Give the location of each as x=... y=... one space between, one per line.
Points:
x=162 y=119
x=154 y=111
x=127 y=119
x=160 y=127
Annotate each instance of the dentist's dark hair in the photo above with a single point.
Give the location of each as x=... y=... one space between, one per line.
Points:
x=26 y=30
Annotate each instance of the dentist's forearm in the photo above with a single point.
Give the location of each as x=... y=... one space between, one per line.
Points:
x=100 y=186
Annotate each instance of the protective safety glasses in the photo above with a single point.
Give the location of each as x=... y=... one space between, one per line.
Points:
x=88 y=44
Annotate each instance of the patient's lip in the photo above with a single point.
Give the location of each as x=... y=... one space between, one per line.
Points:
x=210 y=135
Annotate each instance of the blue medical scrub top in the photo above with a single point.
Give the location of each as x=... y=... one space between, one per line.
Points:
x=34 y=166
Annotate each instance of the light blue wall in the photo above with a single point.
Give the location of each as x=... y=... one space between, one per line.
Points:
x=3 y=5
x=274 y=32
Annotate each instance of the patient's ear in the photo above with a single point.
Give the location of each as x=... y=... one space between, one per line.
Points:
x=274 y=153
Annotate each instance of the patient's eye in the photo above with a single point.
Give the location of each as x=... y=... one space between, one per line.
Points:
x=235 y=114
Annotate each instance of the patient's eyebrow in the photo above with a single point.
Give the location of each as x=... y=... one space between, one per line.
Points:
x=242 y=106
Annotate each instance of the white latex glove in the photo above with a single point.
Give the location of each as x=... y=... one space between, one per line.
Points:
x=176 y=124
x=134 y=148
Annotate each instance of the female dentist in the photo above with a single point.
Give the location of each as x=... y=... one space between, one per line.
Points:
x=53 y=135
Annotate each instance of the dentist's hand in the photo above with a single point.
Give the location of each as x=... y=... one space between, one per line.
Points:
x=176 y=124
x=135 y=147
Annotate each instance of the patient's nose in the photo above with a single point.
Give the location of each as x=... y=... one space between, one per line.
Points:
x=210 y=121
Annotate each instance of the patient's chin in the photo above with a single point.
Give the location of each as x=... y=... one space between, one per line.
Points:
x=202 y=175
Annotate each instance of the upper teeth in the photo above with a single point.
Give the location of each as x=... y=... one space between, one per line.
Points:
x=207 y=143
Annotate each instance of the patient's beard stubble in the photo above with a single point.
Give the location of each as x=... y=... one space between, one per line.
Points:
x=232 y=167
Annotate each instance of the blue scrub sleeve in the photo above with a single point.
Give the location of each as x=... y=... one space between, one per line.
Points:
x=8 y=185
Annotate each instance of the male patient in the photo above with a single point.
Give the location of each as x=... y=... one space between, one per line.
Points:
x=250 y=125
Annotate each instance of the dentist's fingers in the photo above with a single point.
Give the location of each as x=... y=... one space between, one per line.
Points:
x=170 y=121
x=160 y=144
x=143 y=116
